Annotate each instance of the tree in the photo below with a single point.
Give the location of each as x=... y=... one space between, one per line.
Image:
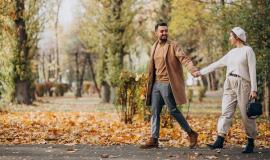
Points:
x=164 y=11
x=6 y=44
x=58 y=71
x=113 y=22
x=193 y=25
x=22 y=28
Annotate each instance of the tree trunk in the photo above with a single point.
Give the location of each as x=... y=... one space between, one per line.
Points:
x=22 y=87
x=205 y=83
x=214 y=82
x=79 y=90
x=112 y=94
x=266 y=98
x=77 y=94
x=22 y=94
x=93 y=74
x=105 y=92
x=208 y=83
x=43 y=67
x=58 y=76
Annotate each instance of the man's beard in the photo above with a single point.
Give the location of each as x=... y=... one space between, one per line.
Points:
x=163 y=38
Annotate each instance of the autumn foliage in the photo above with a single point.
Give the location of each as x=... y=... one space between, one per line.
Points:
x=106 y=129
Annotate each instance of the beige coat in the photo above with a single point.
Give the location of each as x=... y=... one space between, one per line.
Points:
x=174 y=58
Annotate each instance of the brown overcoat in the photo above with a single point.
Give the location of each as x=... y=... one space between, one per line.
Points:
x=174 y=58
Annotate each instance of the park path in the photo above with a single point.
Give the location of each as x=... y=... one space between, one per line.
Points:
x=122 y=152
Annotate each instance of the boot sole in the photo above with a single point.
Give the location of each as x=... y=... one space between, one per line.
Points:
x=148 y=147
x=212 y=147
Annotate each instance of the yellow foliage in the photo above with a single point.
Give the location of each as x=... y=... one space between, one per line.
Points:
x=106 y=129
x=187 y=15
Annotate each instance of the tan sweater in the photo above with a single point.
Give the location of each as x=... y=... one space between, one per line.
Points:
x=240 y=61
x=160 y=66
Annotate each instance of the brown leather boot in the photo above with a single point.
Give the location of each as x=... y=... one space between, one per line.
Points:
x=152 y=143
x=193 y=137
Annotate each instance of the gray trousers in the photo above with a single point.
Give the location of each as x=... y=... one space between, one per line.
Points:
x=236 y=91
x=162 y=94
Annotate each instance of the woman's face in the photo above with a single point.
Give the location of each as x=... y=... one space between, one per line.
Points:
x=232 y=39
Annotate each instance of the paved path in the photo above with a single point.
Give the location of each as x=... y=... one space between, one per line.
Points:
x=88 y=152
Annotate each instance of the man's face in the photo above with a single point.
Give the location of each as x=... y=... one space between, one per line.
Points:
x=162 y=33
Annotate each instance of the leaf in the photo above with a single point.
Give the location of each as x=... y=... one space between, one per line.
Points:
x=104 y=156
x=211 y=157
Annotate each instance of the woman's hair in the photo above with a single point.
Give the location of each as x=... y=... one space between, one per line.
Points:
x=236 y=37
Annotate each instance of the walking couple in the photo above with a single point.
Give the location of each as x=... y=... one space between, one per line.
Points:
x=166 y=86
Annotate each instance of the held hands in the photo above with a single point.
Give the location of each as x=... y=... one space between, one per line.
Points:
x=252 y=95
x=196 y=74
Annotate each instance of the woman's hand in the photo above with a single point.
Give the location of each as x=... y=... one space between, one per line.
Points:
x=252 y=95
x=196 y=74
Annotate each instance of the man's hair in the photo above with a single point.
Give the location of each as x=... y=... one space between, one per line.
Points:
x=160 y=24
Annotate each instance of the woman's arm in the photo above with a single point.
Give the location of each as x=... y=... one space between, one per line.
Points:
x=251 y=58
x=210 y=68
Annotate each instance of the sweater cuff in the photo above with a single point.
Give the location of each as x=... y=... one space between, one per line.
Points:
x=254 y=89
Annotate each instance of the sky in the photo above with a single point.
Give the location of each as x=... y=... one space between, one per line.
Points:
x=67 y=14
x=67 y=11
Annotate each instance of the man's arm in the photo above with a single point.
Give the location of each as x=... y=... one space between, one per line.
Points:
x=184 y=59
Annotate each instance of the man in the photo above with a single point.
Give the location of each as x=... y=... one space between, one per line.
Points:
x=166 y=84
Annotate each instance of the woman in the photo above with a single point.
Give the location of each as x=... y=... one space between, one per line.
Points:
x=239 y=87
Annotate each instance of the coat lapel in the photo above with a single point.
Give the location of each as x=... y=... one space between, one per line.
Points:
x=153 y=49
x=152 y=55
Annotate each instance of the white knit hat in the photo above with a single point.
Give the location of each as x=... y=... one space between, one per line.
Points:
x=240 y=33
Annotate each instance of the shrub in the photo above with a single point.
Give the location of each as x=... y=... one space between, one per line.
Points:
x=201 y=93
x=86 y=87
x=59 y=89
x=48 y=88
x=66 y=87
x=189 y=94
x=40 y=89
x=126 y=89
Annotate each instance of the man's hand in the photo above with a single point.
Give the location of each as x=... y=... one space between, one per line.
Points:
x=252 y=95
x=196 y=74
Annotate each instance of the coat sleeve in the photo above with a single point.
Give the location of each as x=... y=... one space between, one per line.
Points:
x=184 y=59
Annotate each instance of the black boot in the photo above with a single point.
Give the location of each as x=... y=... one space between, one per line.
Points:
x=217 y=144
x=250 y=146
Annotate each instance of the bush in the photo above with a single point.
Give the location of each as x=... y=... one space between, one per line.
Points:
x=86 y=87
x=66 y=87
x=130 y=96
x=48 y=88
x=189 y=94
x=60 y=89
x=40 y=89
x=201 y=93
x=130 y=99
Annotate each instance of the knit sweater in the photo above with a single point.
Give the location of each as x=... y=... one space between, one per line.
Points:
x=240 y=61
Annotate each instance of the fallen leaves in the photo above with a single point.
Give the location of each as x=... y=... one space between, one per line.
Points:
x=211 y=157
x=106 y=129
